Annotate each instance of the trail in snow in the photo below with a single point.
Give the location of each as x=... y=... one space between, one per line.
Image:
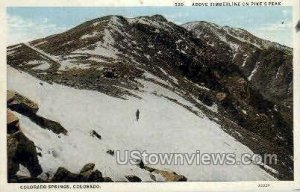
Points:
x=62 y=63
x=48 y=56
x=163 y=127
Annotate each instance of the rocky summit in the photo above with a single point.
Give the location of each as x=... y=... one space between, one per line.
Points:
x=239 y=82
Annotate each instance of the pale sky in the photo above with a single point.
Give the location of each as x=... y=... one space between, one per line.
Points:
x=272 y=23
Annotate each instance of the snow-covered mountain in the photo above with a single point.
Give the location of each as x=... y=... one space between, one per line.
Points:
x=197 y=87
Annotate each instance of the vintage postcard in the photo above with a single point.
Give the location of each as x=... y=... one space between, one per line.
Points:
x=150 y=96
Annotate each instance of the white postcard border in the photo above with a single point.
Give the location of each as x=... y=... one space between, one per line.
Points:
x=164 y=186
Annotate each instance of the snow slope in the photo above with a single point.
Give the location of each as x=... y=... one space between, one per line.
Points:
x=164 y=127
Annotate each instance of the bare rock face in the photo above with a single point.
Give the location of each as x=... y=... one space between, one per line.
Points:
x=12 y=165
x=133 y=178
x=87 y=174
x=12 y=122
x=10 y=95
x=107 y=179
x=87 y=170
x=167 y=175
x=22 y=151
x=20 y=103
x=170 y=176
x=64 y=175
x=11 y=118
x=95 y=176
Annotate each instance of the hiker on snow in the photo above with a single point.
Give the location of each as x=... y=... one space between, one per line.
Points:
x=137 y=114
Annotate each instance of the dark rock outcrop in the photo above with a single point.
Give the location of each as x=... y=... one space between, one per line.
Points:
x=206 y=99
x=21 y=104
x=27 y=107
x=167 y=175
x=107 y=179
x=95 y=176
x=111 y=152
x=86 y=174
x=21 y=151
x=87 y=169
x=133 y=178
x=170 y=176
x=64 y=175
x=12 y=122
x=95 y=134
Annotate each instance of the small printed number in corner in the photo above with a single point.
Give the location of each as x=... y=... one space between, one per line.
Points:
x=263 y=185
x=179 y=4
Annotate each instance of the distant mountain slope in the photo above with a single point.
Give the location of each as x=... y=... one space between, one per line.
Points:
x=216 y=69
x=266 y=65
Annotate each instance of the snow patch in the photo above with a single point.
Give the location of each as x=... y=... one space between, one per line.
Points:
x=43 y=65
x=253 y=72
x=14 y=47
x=70 y=64
x=164 y=127
x=245 y=60
x=97 y=59
x=40 y=43
x=23 y=171
x=102 y=48
x=11 y=52
x=148 y=75
x=86 y=36
x=147 y=21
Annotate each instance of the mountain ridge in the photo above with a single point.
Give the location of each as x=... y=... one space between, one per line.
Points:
x=240 y=29
x=113 y=54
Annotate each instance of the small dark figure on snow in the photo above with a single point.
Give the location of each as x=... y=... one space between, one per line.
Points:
x=137 y=114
